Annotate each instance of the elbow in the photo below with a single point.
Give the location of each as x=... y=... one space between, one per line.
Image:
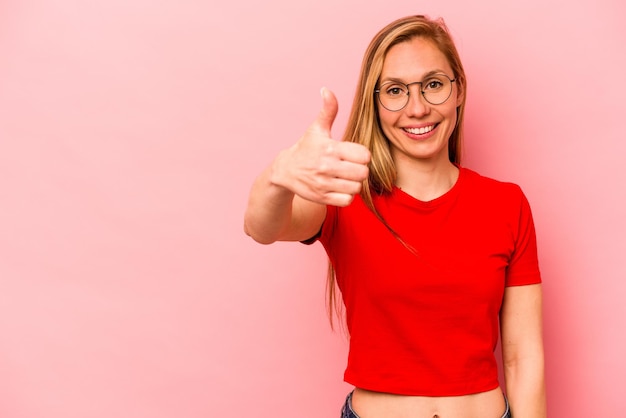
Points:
x=532 y=360
x=527 y=366
x=259 y=238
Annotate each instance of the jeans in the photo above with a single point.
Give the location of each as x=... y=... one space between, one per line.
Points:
x=347 y=412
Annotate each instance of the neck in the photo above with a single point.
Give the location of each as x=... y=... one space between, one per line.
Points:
x=426 y=180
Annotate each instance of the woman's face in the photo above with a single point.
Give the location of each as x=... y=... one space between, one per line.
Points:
x=419 y=131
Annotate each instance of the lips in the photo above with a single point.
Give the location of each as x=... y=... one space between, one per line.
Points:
x=421 y=130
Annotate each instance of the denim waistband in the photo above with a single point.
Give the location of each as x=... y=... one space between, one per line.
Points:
x=348 y=412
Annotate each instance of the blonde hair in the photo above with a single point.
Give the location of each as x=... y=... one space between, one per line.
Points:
x=363 y=125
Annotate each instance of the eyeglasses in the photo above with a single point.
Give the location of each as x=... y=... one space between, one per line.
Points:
x=435 y=89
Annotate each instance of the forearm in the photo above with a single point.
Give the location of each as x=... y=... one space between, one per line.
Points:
x=269 y=209
x=288 y=200
x=525 y=387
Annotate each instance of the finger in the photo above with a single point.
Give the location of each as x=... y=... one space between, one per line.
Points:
x=338 y=199
x=353 y=152
x=327 y=115
x=348 y=170
x=326 y=191
x=339 y=185
x=334 y=197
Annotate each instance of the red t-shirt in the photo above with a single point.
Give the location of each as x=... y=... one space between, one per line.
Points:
x=425 y=322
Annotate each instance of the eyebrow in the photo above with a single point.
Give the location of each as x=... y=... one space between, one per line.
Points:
x=428 y=74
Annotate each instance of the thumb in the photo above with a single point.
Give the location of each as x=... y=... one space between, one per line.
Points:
x=327 y=115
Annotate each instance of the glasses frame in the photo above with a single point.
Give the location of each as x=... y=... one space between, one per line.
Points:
x=408 y=91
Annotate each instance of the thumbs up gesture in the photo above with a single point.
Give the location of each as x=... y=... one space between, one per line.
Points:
x=319 y=168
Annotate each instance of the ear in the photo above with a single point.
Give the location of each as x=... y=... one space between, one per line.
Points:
x=460 y=94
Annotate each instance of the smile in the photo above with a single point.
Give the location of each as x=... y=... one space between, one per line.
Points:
x=420 y=131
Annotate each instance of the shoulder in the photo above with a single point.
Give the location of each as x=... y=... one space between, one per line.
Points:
x=488 y=187
x=495 y=197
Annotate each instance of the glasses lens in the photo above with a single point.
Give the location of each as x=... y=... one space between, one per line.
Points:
x=436 y=89
x=393 y=96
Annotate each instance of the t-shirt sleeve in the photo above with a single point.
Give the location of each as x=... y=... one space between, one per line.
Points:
x=523 y=268
x=323 y=235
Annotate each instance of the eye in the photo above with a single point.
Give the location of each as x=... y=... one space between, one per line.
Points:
x=433 y=84
x=394 y=90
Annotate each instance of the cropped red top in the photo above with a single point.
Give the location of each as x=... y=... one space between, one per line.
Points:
x=425 y=322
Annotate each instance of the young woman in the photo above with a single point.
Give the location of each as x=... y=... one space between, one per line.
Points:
x=433 y=260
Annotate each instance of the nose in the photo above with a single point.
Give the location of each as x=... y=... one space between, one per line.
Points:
x=417 y=106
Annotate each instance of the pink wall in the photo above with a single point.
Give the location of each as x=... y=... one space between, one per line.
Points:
x=130 y=132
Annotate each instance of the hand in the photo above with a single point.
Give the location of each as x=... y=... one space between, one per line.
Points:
x=320 y=169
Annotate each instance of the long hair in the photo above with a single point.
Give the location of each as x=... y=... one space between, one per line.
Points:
x=363 y=125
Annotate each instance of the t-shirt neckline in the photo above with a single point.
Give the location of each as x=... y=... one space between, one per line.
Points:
x=450 y=195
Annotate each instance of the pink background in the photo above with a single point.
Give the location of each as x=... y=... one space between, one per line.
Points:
x=130 y=132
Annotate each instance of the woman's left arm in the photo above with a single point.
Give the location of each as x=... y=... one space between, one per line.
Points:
x=522 y=350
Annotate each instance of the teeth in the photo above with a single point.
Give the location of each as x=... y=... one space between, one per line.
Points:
x=420 y=131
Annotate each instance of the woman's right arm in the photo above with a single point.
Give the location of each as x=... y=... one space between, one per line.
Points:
x=275 y=213
x=288 y=200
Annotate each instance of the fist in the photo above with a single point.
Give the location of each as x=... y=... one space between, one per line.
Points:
x=320 y=169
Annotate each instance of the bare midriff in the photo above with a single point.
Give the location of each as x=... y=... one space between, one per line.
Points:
x=368 y=404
